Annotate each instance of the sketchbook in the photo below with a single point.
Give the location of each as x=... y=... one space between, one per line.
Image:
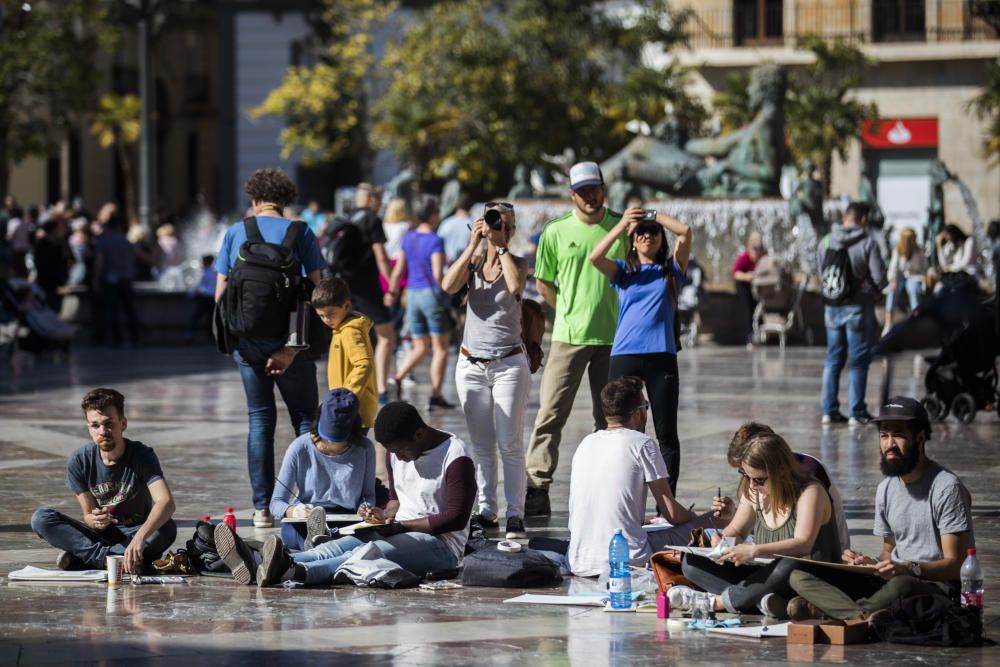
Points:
x=330 y=518
x=705 y=551
x=844 y=567
x=31 y=573
x=754 y=631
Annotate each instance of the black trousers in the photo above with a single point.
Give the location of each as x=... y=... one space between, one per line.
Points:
x=658 y=371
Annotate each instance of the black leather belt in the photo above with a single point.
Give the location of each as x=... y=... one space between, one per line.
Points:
x=480 y=360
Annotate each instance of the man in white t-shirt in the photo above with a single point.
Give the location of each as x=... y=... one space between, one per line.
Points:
x=612 y=471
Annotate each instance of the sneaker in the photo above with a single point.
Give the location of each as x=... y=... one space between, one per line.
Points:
x=383 y=398
x=683 y=598
x=536 y=502
x=235 y=554
x=408 y=381
x=860 y=420
x=515 y=528
x=263 y=519
x=315 y=526
x=833 y=418
x=393 y=389
x=439 y=402
x=276 y=566
x=67 y=561
x=801 y=609
x=773 y=606
x=487 y=522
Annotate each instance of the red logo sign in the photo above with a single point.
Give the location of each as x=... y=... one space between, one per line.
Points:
x=900 y=133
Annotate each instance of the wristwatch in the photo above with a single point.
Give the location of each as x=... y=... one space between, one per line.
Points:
x=916 y=570
x=502 y=251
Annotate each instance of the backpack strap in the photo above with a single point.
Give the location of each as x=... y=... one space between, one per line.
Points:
x=252 y=230
x=293 y=233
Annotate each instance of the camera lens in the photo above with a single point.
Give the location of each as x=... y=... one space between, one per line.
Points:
x=493 y=219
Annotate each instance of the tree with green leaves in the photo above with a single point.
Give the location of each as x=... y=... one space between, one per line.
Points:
x=47 y=72
x=116 y=124
x=986 y=107
x=822 y=118
x=324 y=104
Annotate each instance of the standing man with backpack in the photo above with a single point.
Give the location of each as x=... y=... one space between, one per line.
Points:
x=357 y=254
x=260 y=266
x=852 y=277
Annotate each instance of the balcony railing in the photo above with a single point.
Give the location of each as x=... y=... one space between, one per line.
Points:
x=860 y=21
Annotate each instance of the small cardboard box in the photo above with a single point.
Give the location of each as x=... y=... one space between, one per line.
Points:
x=804 y=632
x=844 y=632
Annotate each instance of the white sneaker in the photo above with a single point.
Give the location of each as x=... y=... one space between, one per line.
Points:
x=683 y=597
x=263 y=519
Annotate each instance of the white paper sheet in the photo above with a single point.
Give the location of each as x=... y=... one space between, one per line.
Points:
x=330 y=518
x=578 y=600
x=31 y=573
x=754 y=631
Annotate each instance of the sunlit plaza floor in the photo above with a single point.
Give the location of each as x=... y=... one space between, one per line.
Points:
x=188 y=404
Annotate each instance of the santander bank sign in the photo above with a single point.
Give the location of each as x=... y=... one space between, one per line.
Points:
x=900 y=133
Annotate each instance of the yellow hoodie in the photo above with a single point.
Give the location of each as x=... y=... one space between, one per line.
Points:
x=352 y=364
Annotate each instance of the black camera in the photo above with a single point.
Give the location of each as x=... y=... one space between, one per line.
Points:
x=493 y=219
x=649 y=215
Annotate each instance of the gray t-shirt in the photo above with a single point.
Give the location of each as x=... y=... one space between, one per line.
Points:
x=918 y=514
x=120 y=489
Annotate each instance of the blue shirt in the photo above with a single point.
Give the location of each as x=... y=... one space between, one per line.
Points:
x=345 y=480
x=645 y=310
x=122 y=489
x=418 y=248
x=454 y=231
x=273 y=229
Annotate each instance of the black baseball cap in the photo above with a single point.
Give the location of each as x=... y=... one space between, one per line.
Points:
x=902 y=409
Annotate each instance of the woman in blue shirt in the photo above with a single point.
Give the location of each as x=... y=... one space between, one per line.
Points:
x=645 y=346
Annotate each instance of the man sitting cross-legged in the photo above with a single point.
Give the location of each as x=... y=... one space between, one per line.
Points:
x=119 y=484
x=612 y=470
x=923 y=513
x=424 y=526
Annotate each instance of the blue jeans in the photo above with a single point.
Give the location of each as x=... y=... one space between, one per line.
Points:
x=851 y=331
x=425 y=311
x=419 y=553
x=913 y=287
x=92 y=546
x=298 y=389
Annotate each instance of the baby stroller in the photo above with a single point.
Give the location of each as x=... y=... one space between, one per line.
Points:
x=27 y=324
x=962 y=378
x=688 y=302
x=779 y=300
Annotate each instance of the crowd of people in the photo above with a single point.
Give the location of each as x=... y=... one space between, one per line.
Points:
x=429 y=496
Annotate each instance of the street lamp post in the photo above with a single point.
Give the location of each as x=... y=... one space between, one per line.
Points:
x=147 y=119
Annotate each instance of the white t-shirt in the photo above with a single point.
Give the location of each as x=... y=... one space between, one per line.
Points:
x=607 y=491
x=420 y=489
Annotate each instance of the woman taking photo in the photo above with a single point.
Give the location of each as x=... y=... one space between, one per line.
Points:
x=788 y=514
x=492 y=375
x=645 y=345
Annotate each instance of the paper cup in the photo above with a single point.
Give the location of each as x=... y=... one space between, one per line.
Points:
x=116 y=567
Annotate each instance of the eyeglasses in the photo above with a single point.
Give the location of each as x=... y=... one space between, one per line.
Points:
x=754 y=481
x=499 y=204
x=646 y=230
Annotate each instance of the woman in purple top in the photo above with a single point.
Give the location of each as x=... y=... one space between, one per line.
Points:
x=645 y=345
x=422 y=260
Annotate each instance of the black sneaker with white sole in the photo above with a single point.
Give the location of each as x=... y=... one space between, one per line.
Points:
x=67 y=561
x=235 y=554
x=515 y=528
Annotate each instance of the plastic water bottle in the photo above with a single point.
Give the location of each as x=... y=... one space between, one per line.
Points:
x=972 y=582
x=620 y=581
x=230 y=519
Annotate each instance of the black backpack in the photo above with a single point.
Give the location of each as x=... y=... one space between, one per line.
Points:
x=929 y=620
x=346 y=249
x=201 y=550
x=836 y=276
x=527 y=568
x=263 y=285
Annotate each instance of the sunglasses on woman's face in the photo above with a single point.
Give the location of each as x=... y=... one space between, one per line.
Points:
x=647 y=230
x=754 y=481
x=499 y=204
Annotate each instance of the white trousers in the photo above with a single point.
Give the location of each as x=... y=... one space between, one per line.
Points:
x=494 y=397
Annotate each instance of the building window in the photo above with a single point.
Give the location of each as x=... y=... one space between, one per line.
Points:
x=757 y=22
x=898 y=20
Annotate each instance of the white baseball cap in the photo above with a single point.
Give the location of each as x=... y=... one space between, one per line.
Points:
x=583 y=174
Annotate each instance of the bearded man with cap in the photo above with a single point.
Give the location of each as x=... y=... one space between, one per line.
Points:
x=923 y=512
x=586 y=308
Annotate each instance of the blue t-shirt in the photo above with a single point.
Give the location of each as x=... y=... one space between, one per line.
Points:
x=345 y=480
x=645 y=311
x=273 y=230
x=121 y=489
x=418 y=248
x=118 y=256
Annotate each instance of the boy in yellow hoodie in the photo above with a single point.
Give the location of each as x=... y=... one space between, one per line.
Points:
x=352 y=361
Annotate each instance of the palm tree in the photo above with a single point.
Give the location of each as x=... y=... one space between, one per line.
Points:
x=116 y=123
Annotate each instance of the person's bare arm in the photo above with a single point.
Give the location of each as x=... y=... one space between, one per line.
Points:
x=599 y=255
x=674 y=512
x=458 y=273
x=953 y=546
x=93 y=516
x=382 y=260
x=394 y=279
x=163 y=508
x=547 y=290
x=682 y=249
x=742 y=522
x=437 y=266
x=220 y=286
x=812 y=507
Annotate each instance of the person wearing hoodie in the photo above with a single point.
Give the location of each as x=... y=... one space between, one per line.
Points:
x=352 y=361
x=851 y=326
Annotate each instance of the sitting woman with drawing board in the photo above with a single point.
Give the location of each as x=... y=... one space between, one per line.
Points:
x=788 y=514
